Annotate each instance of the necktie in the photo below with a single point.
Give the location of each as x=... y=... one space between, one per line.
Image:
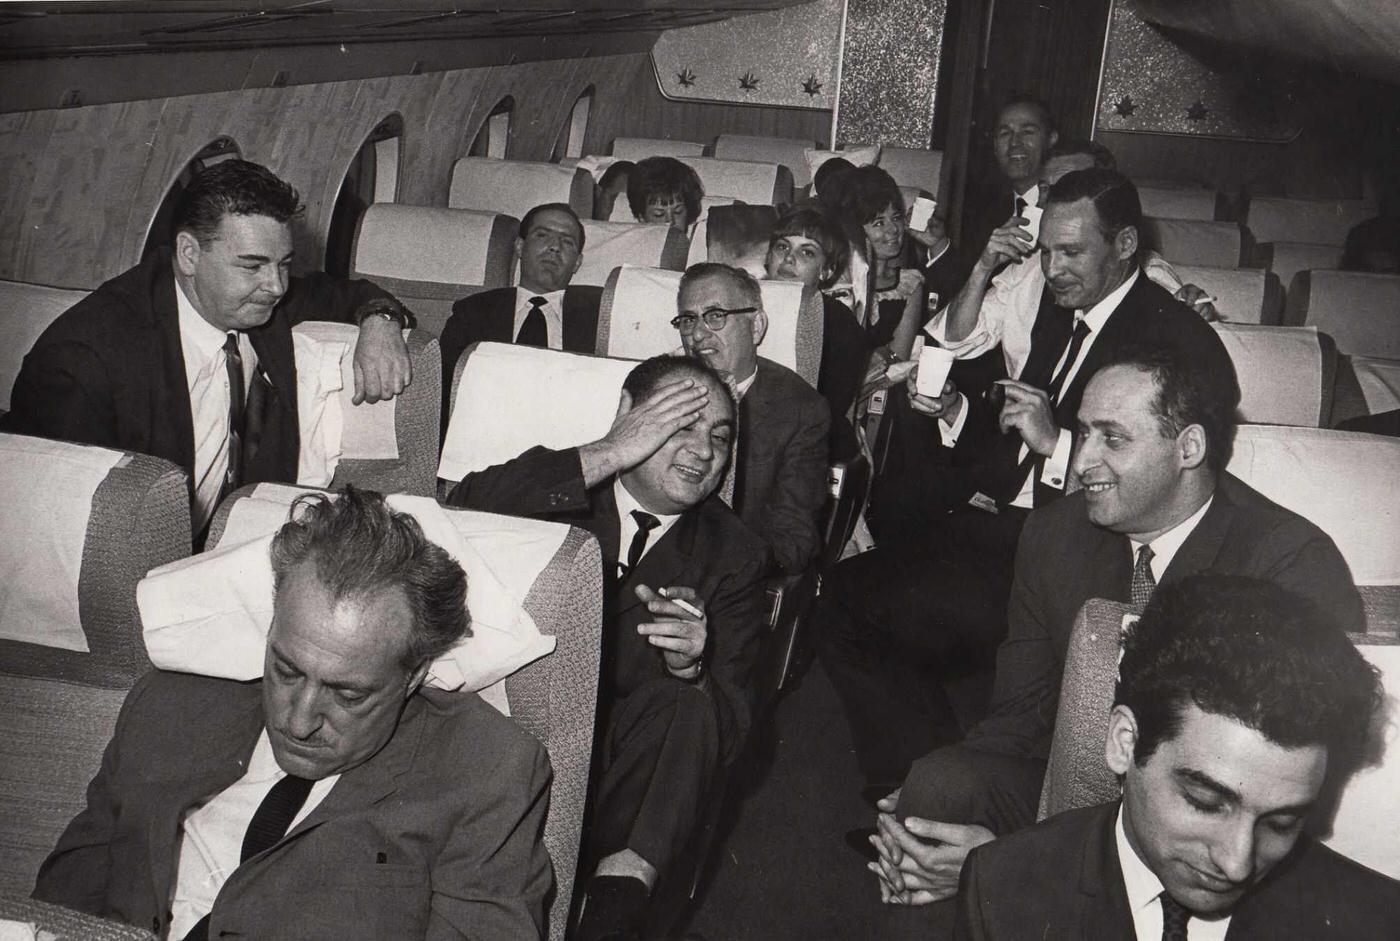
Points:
x=645 y=524
x=533 y=331
x=1076 y=343
x=1021 y=205
x=233 y=362
x=1174 y=915
x=1143 y=583
x=269 y=824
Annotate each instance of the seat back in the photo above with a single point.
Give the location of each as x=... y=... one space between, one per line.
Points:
x=634 y=320
x=507 y=399
x=639 y=148
x=1379 y=380
x=789 y=152
x=1360 y=310
x=743 y=180
x=1177 y=202
x=555 y=573
x=1196 y=242
x=610 y=244
x=1242 y=295
x=1076 y=775
x=514 y=187
x=26 y=310
x=1276 y=218
x=390 y=446
x=1286 y=373
x=84 y=525
x=1329 y=477
x=913 y=166
x=430 y=257
x=1286 y=259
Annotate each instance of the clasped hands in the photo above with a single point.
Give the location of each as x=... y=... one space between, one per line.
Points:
x=920 y=860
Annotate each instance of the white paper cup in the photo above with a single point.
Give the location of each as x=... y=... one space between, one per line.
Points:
x=921 y=212
x=934 y=364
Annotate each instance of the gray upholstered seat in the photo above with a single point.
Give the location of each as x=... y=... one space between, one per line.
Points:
x=26 y=310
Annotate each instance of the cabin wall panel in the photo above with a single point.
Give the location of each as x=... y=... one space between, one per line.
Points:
x=82 y=184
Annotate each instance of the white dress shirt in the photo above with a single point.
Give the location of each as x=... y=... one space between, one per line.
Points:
x=1056 y=467
x=742 y=387
x=1165 y=546
x=1144 y=889
x=211 y=838
x=553 y=311
x=206 y=376
x=627 y=528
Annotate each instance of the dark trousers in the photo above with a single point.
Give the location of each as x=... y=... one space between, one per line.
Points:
x=959 y=784
x=896 y=621
x=660 y=757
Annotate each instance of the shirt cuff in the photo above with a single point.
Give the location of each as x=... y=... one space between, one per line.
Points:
x=1056 y=466
x=949 y=433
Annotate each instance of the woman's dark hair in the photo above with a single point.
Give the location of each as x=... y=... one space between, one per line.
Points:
x=663 y=179
x=810 y=222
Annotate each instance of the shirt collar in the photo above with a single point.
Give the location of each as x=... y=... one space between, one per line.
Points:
x=741 y=388
x=1031 y=196
x=626 y=503
x=1142 y=883
x=201 y=335
x=555 y=298
x=1165 y=546
x=1098 y=315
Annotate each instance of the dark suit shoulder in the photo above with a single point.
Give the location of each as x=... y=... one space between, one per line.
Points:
x=585 y=294
x=776 y=382
x=719 y=525
x=1022 y=855
x=481 y=301
x=165 y=707
x=113 y=309
x=1319 y=893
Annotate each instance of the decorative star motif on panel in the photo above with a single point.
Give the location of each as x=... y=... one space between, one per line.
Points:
x=685 y=78
x=1197 y=111
x=748 y=82
x=812 y=86
x=1125 y=106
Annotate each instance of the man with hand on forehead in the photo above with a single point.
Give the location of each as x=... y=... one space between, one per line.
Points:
x=683 y=604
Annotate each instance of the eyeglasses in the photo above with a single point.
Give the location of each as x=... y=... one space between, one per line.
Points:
x=715 y=319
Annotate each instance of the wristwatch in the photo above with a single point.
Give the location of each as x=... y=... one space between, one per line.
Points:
x=692 y=673
x=387 y=311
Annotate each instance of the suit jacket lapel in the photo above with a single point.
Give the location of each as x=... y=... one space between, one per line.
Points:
x=580 y=322
x=271 y=439
x=175 y=394
x=663 y=563
x=500 y=317
x=1197 y=554
x=1103 y=896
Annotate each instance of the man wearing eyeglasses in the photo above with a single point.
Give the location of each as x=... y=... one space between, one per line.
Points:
x=780 y=469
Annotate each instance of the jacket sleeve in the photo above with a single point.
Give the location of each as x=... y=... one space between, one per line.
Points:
x=734 y=612
x=1305 y=560
x=1025 y=693
x=76 y=873
x=796 y=500
x=319 y=296
x=539 y=482
x=967 y=924
x=493 y=878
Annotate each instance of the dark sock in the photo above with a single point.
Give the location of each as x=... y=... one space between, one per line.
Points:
x=613 y=907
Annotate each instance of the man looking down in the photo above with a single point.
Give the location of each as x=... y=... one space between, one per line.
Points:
x=682 y=611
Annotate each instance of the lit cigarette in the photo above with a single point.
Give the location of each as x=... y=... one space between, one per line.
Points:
x=1209 y=300
x=686 y=606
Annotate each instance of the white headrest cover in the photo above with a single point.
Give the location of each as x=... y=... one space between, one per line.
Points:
x=1280 y=372
x=1275 y=218
x=609 y=244
x=639 y=148
x=424 y=243
x=744 y=180
x=857 y=156
x=512 y=398
x=1239 y=292
x=513 y=187
x=1380 y=382
x=26 y=310
x=1342 y=481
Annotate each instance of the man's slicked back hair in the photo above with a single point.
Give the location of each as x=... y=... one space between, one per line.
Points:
x=237 y=188
x=748 y=284
x=651 y=374
x=565 y=208
x=663 y=179
x=811 y=222
x=1047 y=117
x=1114 y=197
x=360 y=547
x=1251 y=651
x=1083 y=147
x=1190 y=390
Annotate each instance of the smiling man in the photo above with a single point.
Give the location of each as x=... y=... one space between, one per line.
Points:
x=188 y=356
x=335 y=798
x=675 y=695
x=1233 y=707
x=1156 y=505
x=779 y=481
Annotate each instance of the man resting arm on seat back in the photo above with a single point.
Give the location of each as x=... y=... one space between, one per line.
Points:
x=682 y=616
x=336 y=797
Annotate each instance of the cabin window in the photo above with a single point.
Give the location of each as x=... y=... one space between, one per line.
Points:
x=494 y=136
x=570 y=140
x=372 y=177
x=160 y=233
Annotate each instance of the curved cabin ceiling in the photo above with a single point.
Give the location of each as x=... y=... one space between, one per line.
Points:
x=1358 y=36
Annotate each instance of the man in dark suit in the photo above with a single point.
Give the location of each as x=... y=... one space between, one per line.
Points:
x=335 y=798
x=1156 y=506
x=950 y=500
x=1233 y=707
x=542 y=310
x=781 y=462
x=151 y=360
x=682 y=618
